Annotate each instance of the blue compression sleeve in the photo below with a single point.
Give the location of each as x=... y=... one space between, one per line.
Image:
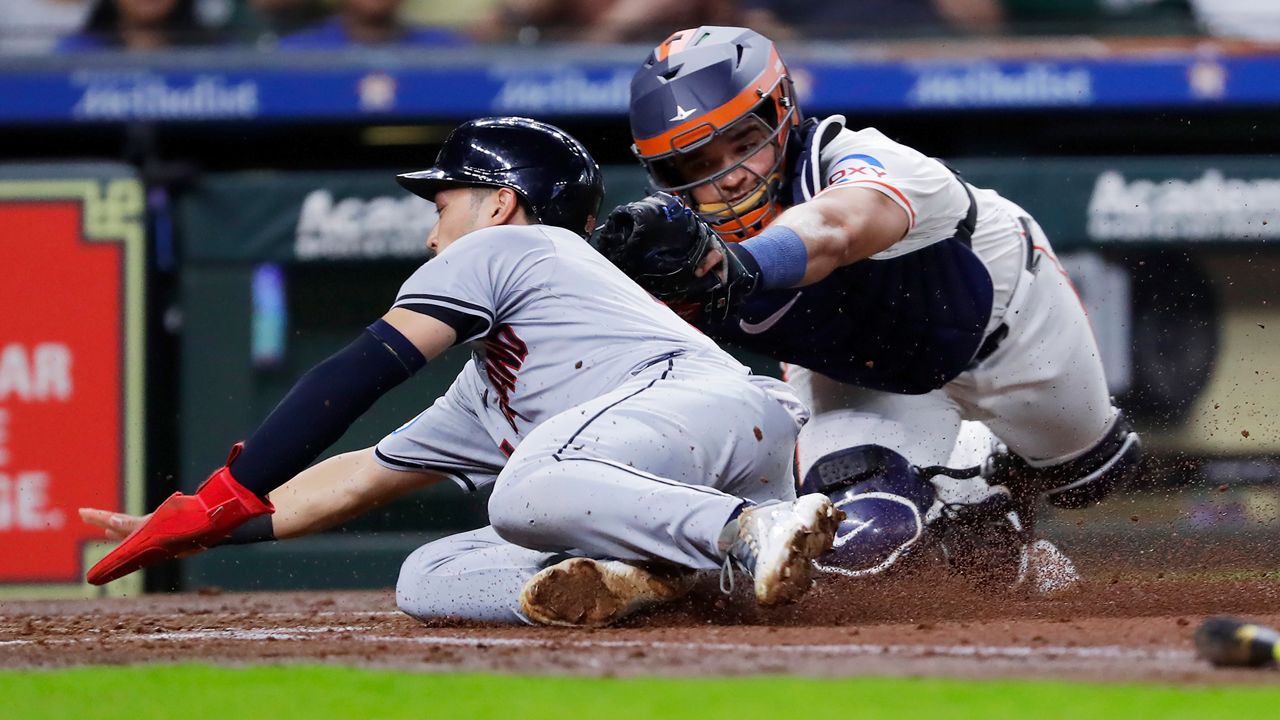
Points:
x=781 y=255
x=323 y=404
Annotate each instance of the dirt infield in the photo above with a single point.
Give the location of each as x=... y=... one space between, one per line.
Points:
x=1118 y=625
x=1148 y=581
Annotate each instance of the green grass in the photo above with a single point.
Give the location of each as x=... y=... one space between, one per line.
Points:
x=190 y=692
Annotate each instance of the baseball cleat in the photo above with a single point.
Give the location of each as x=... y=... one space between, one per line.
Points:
x=776 y=542
x=581 y=592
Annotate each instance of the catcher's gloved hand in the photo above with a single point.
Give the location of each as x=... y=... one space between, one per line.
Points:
x=660 y=243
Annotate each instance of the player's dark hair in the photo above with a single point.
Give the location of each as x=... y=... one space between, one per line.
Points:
x=479 y=192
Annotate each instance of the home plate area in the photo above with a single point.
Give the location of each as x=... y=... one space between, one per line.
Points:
x=1116 y=624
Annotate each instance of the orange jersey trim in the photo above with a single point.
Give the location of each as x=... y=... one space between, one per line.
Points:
x=896 y=192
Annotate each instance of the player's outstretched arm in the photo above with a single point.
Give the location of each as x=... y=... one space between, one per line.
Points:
x=337 y=490
x=317 y=411
x=320 y=497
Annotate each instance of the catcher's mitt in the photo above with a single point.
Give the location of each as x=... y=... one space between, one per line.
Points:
x=660 y=243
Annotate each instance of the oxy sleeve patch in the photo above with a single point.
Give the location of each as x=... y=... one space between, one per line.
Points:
x=855 y=166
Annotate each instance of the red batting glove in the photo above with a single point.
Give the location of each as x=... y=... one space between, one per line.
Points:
x=184 y=524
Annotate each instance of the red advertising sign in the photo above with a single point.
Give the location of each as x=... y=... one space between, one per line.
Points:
x=70 y=254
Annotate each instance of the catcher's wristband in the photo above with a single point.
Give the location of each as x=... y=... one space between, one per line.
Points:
x=780 y=255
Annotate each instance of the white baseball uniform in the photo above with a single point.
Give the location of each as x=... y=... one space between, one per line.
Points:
x=607 y=426
x=1041 y=391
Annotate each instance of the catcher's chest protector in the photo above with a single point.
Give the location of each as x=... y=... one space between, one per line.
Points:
x=905 y=324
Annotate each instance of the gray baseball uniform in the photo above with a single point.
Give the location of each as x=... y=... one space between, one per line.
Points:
x=606 y=424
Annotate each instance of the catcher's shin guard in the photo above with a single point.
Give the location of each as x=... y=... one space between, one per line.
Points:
x=184 y=524
x=1113 y=463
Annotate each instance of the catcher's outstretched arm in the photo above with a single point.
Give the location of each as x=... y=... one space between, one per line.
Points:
x=671 y=252
x=842 y=226
x=836 y=228
x=659 y=242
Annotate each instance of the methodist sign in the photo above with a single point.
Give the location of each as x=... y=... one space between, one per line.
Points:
x=71 y=363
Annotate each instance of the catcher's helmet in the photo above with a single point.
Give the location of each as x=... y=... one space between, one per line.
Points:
x=552 y=172
x=694 y=87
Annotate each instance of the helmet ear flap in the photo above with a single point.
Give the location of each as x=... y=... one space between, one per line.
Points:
x=583 y=199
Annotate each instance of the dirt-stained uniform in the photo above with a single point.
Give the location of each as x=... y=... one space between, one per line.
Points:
x=607 y=426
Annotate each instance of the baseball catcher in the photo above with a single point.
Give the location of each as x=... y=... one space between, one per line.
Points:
x=926 y=322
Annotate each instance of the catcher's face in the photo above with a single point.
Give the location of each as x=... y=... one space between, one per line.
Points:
x=732 y=180
x=734 y=164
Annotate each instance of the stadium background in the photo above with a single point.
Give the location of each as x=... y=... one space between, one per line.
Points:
x=255 y=181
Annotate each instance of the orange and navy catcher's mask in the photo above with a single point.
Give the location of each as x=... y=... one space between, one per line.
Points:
x=696 y=86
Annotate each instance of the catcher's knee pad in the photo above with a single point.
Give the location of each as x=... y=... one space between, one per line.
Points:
x=884 y=499
x=1081 y=482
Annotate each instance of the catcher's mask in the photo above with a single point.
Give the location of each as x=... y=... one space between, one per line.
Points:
x=551 y=171
x=707 y=83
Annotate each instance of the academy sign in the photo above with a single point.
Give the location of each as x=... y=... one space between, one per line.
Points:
x=1213 y=206
x=354 y=228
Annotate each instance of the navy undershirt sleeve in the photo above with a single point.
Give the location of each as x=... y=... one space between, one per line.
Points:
x=323 y=404
x=465 y=325
x=406 y=352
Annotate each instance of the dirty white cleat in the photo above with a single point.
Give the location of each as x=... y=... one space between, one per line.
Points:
x=581 y=592
x=1045 y=570
x=776 y=542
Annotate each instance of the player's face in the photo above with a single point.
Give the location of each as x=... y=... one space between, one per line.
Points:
x=459 y=210
x=749 y=140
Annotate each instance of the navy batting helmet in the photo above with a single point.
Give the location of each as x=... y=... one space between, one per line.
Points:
x=551 y=172
x=703 y=83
